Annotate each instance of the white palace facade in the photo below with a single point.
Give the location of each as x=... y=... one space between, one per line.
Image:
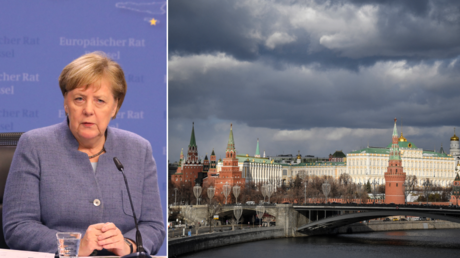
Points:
x=371 y=163
x=363 y=165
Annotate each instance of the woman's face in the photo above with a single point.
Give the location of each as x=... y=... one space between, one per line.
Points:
x=90 y=111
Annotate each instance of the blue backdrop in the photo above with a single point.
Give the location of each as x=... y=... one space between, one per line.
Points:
x=38 y=38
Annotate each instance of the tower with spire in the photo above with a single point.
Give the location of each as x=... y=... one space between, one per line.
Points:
x=212 y=164
x=395 y=176
x=192 y=166
x=257 y=155
x=206 y=164
x=181 y=159
x=192 y=154
x=230 y=172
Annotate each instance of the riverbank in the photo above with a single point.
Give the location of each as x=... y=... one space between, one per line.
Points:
x=184 y=245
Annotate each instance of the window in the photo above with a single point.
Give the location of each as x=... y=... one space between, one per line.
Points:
x=396 y=184
x=284 y=172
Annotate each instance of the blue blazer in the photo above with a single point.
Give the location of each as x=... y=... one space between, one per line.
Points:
x=51 y=187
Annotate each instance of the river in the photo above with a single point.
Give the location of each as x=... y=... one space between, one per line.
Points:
x=414 y=244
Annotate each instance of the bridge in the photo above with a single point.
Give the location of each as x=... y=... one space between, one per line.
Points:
x=298 y=220
x=330 y=216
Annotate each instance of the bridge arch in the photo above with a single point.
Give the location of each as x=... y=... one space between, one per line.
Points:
x=347 y=219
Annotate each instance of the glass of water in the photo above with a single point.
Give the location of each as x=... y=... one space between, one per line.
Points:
x=68 y=244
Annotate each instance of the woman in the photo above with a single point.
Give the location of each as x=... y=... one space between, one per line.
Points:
x=63 y=178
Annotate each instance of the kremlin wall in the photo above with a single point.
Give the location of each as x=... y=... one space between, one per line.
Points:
x=384 y=165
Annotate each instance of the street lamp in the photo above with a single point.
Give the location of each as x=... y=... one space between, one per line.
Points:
x=238 y=211
x=197 y=192
x=236 y=192
x=269 y=189
x=264 y=192
x=211 y=190
x=260 y=211
x=226 y=188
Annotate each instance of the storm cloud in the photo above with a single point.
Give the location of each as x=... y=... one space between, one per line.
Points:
x=285 y=70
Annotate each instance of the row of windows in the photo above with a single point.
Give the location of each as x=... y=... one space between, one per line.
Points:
x=408 y=163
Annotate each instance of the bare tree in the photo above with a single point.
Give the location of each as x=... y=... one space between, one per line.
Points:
x=427 y=186
x=345 y=179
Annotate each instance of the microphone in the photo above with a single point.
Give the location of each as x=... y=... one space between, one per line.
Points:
x=140 y=248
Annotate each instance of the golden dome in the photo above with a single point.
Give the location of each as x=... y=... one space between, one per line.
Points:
x=402 y=139
x=454 y=138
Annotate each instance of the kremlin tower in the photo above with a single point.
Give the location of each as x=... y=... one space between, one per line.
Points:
x=206 y=164
x=395 y=176
x=230 y=173
x=188 y=169
x=212 y=165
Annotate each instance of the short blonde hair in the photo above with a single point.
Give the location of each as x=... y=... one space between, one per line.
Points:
x=90 y=68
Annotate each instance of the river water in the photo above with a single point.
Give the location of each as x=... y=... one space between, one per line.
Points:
x=442 y=243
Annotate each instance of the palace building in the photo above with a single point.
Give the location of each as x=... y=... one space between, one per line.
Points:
x=370 y=163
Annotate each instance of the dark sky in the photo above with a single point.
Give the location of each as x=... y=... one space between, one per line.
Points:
x=315 y=76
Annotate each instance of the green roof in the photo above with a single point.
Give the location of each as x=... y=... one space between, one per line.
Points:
x=257 y=148
x=435 y=154
x=313 y=164
x=373 y=151
x=387 y=151
x=339 y=154
x=243 y=158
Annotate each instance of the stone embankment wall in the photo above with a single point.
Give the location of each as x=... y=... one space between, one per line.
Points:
x=207 y=241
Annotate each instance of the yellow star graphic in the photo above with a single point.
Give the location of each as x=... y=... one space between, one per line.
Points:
x=153 y=21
